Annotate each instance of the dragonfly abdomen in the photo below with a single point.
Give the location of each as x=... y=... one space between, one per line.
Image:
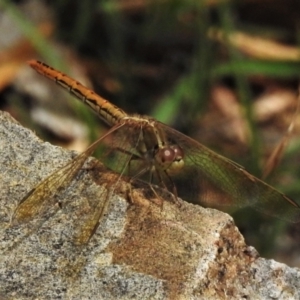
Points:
x=108 y=112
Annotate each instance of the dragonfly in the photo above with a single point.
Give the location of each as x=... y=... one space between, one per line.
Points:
x=141 y=146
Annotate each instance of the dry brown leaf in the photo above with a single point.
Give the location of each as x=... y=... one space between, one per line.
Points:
x=273 y=103
x=277 y=154
x=226 y=102
x=12 y=58
x=256 y=46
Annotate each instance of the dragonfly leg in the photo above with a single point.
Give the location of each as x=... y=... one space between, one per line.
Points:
x=133 y=157
x=173 y=187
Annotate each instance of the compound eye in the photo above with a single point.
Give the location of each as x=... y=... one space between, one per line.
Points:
x=166 y=154
x=179 y=154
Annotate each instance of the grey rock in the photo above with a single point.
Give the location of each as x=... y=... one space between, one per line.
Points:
x=140 y=250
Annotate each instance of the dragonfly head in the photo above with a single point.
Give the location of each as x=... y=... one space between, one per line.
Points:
x=170 y=158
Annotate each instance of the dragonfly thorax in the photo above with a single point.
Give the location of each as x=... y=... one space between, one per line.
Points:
x=170 y=158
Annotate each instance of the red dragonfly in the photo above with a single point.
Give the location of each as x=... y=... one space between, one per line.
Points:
x=142 y=145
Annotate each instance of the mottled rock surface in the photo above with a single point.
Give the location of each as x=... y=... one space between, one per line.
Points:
x=140 y=250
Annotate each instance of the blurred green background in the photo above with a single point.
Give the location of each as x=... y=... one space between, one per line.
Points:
x=189 y=64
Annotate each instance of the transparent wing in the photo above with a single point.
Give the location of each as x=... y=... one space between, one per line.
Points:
x=120 y=144
x=207 y=174
x=39 y=198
